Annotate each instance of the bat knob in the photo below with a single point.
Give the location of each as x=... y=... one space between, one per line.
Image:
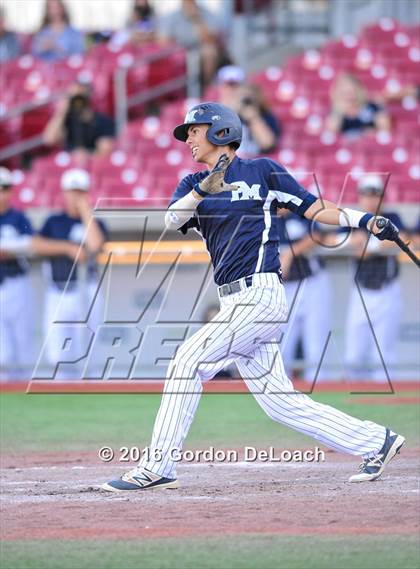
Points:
x=380 y=223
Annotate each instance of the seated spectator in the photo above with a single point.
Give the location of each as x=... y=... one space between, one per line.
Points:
x=57 y=39
x=352 y=113
x=140 y=27
x=9 y=44
x=76 y=124
x=193 y=25
x=261 y=130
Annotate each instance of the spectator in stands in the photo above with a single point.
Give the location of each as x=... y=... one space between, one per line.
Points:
x=17 y=242
x=375 y=304
x=352 y=113
x=76 y=124
x=57 y=39
x=140 y=28
x=303 y=270
x=67 y=297
x=261 y=130
x=192 y=25
x=9 y=43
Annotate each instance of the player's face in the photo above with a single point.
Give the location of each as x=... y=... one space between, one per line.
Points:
x=201 y=148
x=5 y=197
x=71 y=199
x=370 y=202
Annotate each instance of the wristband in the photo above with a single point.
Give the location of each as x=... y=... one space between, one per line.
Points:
x=354 y=218
x=199 y=191
x=365 y=220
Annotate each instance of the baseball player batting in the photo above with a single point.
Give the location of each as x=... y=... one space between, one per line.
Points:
x=233 y=205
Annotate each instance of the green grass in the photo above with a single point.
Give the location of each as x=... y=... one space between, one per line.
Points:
x=233 y=552
x=82 y=422
x=86 y=422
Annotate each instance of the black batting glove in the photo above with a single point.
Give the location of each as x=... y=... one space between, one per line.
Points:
x=384 y=229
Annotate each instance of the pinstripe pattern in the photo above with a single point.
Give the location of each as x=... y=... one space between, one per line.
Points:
x=244 y=331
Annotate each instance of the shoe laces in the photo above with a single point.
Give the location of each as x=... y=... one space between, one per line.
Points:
x=132 y=472
x=373 y=461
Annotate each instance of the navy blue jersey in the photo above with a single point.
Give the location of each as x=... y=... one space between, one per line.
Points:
x=376 y=270
x=13 y=223
x=238 y=227
x=293 y=229
x=62 y=226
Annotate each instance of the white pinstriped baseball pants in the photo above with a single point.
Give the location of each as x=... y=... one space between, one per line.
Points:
x=245 y=331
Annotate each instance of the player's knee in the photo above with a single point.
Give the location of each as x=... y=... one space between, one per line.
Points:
x=182 y=367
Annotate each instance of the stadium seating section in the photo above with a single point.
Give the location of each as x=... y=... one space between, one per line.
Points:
x=148 y=162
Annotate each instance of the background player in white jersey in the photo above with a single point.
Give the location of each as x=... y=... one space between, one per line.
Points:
x=17 y=243
x=234 y=206
x=67 y=299
x=377 y=287
x=308 y=294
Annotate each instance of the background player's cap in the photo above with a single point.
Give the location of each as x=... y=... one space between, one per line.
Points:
x=371 y=184
x=230 y=74
x=5 y=177
x=75 y=179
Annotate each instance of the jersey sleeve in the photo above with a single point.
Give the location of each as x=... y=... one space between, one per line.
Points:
x=184 y=187
x=104 y=229
x=288 y=192
x=45 y=230
x=25 y=226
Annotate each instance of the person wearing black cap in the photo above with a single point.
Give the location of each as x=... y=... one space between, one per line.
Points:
x=375 y=304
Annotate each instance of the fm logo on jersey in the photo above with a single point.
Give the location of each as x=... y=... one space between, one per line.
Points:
x=244 y=192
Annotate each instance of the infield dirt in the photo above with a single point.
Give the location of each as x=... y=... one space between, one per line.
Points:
x=56 y=496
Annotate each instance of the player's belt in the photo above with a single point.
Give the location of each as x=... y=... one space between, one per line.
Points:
x=235 y=286
x=241 y=284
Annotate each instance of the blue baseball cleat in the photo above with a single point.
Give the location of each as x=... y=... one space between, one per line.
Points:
x=139 y=479
x=372 y=468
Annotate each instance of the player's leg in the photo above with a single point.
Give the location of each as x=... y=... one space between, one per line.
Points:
x=292 y=330
x=6 y=344
x=61 y=308
x=208 y=351
x=264 y=374
x=316 y=325
x=386 y=324
x=24 y=327
x=16 y=327
x=359 y=339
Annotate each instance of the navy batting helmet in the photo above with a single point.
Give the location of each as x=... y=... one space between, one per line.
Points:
x=225 y=125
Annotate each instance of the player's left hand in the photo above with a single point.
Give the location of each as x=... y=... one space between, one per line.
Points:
x=384 y=229
x=215 y=183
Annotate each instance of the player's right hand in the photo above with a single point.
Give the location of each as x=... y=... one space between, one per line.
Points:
x=214 y=183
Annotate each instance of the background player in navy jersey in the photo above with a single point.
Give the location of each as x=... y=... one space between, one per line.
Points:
x=234 y=205
x=378 y=287
x=17 y=243
x=66 y=299
x=308 y=293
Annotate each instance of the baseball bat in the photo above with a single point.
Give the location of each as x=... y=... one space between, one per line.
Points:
x=380 y=223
